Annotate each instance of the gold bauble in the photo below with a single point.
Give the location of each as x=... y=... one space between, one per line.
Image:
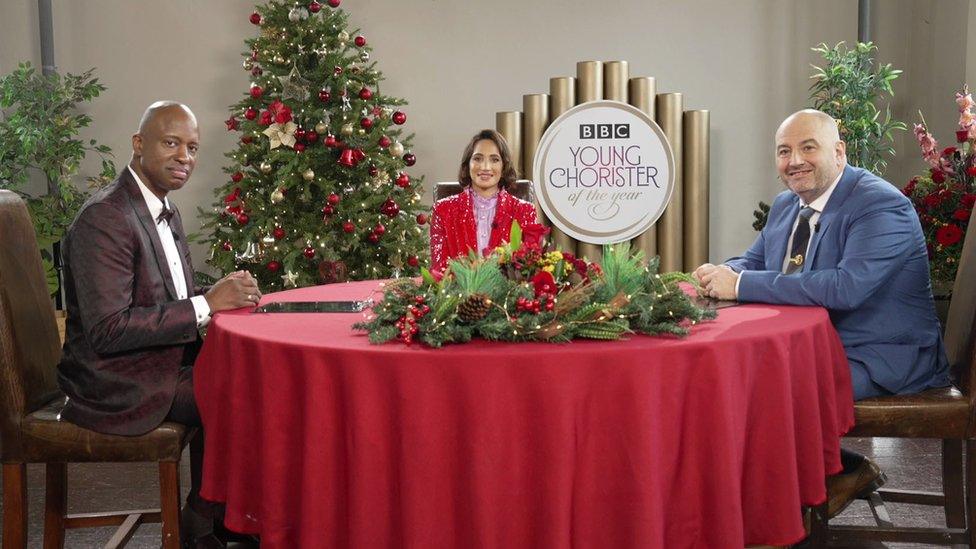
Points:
x=279 y=60
x=321 y=128
x=247 y=64
x=308 y=174
x=361 y=131
x=343 y=37
x=277 y=196
x=346 y=129
x=396 y=149
x=265 y=168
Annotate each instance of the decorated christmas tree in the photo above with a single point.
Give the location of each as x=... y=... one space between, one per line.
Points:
x=318 y=187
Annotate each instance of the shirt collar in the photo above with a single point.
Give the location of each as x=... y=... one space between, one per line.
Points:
x=153 y=202
x=482 y=201
x=821 y=201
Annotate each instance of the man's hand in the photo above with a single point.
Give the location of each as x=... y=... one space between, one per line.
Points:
x=236 y=290
x=718 y=281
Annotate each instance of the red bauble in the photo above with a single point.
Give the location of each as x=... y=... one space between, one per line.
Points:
x=256 y=18
x=403 y=180
x=373 y=237
x=330 y=141
x=226 y=246
x=366 y=123
x=236 y=177
x=384 y=142
x=335 y=3
x=314 y=7
x=242 y=218
x=360 y=41
x=299 y=147
x=390 y=208
x=365 y=93
x=311 y=137
x=413 y=261
x=274 y=266
x=333 y=199
x=348 y=227
x=409 y=159
x=300 y=134
x=254 y=55
x=256 y=92
x=373 y=171
x=421 y=219
x=379 y=229
x=309 y=252
x=399 y=117
x=324 y=96
x=337 y=70
x=278 y=233
x=251 y=113
x=257 y=71
x=328 y=210
x=247 y=139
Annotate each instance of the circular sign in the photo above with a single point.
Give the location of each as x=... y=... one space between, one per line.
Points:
x=603 y=172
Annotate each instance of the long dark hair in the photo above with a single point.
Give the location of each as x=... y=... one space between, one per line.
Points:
x=509 y=174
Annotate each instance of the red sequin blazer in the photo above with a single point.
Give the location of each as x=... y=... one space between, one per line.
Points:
x=453 y=228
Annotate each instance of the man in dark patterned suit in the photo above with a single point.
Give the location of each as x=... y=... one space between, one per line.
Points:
x=133 y=309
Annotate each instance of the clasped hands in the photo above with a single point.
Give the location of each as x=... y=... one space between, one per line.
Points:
x=236 y=290
x=717 y=281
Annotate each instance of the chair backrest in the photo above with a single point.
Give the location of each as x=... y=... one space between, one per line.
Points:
x=961 y=322
x=521 y=189
x=29 y=344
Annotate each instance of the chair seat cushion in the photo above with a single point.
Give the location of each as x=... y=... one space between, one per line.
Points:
x=46 y=438
x=936 y=413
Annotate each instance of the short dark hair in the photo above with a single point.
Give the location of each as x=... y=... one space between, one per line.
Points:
x=509 y=173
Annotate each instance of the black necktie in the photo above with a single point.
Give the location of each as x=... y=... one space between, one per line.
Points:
x=801 y=237
x=164 y=215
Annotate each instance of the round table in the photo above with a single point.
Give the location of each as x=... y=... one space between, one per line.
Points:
x=316 y=438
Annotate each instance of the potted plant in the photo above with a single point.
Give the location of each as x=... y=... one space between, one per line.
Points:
x=39 y=127
x=848 y=88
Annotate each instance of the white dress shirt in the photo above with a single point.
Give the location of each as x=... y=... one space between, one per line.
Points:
x=200 y=306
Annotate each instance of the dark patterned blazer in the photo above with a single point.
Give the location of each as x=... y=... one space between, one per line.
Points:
x=453 y=231
x=127 y=334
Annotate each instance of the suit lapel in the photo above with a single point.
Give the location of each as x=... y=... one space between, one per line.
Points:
x=829 y=214
x=149 y=226
x=176 y=225
x=782 y=226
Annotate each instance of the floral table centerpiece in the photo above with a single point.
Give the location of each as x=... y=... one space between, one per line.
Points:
x=524 y=291
x=945 y=194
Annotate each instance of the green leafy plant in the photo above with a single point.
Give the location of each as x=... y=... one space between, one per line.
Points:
x=39 y=135
x=850 y=88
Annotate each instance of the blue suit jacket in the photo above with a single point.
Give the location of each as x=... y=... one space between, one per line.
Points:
x=867 y=265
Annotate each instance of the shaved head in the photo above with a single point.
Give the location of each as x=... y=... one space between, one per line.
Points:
x=820 y=120
x=157 y=107
x=164 y=150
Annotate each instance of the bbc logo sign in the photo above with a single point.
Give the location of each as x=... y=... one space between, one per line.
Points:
x=604 y=131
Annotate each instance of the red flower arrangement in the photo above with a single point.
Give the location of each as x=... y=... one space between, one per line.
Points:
x=945 y=194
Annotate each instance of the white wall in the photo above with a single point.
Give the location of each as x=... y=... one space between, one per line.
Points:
x=458 y=62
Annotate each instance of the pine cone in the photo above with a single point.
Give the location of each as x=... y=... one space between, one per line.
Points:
x=474 y=308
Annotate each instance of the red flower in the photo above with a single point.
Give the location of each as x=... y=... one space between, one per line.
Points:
x=544 y=283
x=532 y=234
x=910 y=188
x=948 y=235
x=932 y=201
x=937 y=175
x=280 y=111
x=971 y=171
x=969 y=200
x=962 y=214
x=948 y=151
x=266 y=118
x=962 y=136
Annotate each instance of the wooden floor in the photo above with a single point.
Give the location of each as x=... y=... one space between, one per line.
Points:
x=910 y=464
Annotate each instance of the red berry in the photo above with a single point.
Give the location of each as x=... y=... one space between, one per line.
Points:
x=330 y=141
x=309 y=252
x=384 y=142
x=365 y=93
x=236 y=177
x=256 y=91
x=251 y=113
x=409 y=159
x=348 y=227
x=333 y=199
x=278 y=233
x=399 y=117
x=418 y=299
x=274 y=266
x=324 y=96
x=366 y=123
x=226 y=246
x=360 y=41
x=256 y=18
x=421 y=219
x=328 y=210
x=335 y=3
x=314 y=7
x=379 y=229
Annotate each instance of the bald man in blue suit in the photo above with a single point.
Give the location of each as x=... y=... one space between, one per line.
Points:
x=862 y=256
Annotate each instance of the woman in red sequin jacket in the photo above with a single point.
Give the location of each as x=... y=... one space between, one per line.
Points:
x=480 y=217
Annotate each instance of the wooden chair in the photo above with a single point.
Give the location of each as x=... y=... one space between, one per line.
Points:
x=30 y=403
x=946 y=414
x=521 y=189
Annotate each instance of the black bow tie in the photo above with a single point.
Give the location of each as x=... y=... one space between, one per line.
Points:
x=165 y=215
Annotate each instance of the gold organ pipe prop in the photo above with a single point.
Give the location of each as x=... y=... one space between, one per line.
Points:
x=562 y=97
x=589 y=87
x=535 y=112
x=642 y=91
x=509 y=124
x=615 y=76
x=671 y=225
x=696 y=130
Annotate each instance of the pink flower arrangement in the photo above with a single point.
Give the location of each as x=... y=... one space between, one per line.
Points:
x=945 y=194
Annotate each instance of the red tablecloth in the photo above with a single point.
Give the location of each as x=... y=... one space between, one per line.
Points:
x=315 y=438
